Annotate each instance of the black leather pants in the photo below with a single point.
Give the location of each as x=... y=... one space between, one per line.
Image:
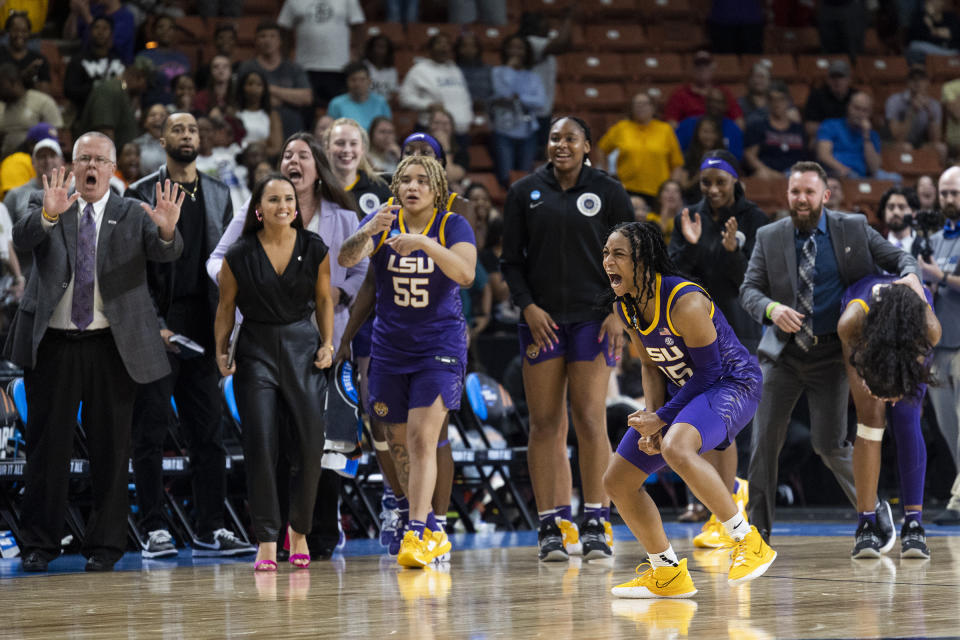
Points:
x=275 y=369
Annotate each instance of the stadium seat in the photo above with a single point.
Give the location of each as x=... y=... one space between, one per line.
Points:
x=194 y=29
x=666 y=9
x=676 y=36
x=616 y=37
x=911 y=164
x=393 y=30
x=655 y=67
x=480 y=159
x=943 y=68
x=591 y=66
x=814 y=68
x=865 y=193
x=728 y=69
x=609 y=10
x=419 y=33
x=881 y=69
x=799 y=91
x=795 y=40
x=490 y=37
x=597 y=96
x=782 y=66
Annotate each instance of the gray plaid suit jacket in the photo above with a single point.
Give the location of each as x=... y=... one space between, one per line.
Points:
x=772 y=270
x=126 y=240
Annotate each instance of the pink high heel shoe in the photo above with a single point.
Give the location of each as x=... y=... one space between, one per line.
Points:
x=265 y=565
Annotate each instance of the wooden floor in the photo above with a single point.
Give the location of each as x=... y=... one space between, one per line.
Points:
x=813 y=590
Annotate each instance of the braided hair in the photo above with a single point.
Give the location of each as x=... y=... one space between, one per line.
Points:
x=435 y=174
x=891 y=354
x=649 y=254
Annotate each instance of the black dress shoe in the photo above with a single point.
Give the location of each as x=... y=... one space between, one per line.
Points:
x=96 y=563
x=34 y=562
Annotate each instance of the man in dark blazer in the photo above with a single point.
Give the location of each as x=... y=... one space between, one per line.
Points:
x=801 y=351
x=186 y=302
x=86 y=332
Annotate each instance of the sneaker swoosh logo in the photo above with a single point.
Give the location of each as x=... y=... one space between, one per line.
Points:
x=667 y=583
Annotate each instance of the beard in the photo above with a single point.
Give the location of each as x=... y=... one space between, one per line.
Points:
x=897 y=224
x=183 y=156
x=808 y=223
x=951 y=212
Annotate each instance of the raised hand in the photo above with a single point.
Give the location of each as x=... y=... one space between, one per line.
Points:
x=381 y=220
x=692 y=227
x=729 y=234
x=167 y=212
x=55 y=190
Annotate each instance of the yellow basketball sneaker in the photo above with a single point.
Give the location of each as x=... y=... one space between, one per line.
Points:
x=662 y=582
x=712 y=535
x=750 y=558
x=437 y=545
x=413 y=551
x=608 y=531
x=571 y=537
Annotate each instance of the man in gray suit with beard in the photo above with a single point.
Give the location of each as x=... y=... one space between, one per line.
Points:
x=796 y=277
x=86 y=332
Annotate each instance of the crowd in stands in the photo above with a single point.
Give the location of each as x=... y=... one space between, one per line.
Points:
x=485 y=78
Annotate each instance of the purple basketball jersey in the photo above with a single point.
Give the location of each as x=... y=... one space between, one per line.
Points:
x=418 y=310
x=865 y=290
x=669 y=351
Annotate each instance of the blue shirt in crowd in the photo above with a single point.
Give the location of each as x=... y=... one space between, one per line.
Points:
x=848 y=143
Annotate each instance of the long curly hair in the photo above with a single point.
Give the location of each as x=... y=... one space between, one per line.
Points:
x=435 y=174
x=650 y=257
x=891 y=354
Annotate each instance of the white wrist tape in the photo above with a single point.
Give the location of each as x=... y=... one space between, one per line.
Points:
x=381 y=445
x=869 y=433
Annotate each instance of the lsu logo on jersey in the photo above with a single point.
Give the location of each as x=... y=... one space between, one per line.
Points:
x=410 y=264
x=678 y=372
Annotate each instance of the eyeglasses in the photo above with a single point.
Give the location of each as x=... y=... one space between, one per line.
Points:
x=99 y=161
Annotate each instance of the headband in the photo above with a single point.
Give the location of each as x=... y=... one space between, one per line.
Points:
x=430 y=140
x=719 y=163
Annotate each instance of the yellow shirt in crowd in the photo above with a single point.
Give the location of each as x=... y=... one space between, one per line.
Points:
x=648 y=153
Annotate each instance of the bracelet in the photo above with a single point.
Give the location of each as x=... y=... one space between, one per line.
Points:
x=770 y=307
x=943 y=280
x=48 y=217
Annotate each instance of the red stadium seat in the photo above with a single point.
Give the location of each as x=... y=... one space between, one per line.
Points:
x=656 y=67
x=591 y=66
x=480 y=159
x=728 y=69
x=676 y=36
x=943 y=68
x=490 y=37
x=881 y=69
x=616 y=37
x=597 y=96
x=813 y=68
x=913 y=163
x=666 y=9
x=392 y=30
x=782 y=66
x=419 y=33
x=791 y=40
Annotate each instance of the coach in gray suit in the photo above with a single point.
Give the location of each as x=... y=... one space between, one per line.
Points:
x=799 y=294
x=86 y=332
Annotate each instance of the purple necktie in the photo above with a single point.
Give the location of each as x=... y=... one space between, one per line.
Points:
x=82 y=312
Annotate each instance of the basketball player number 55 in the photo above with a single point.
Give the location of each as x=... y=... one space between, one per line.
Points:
x=411 y=292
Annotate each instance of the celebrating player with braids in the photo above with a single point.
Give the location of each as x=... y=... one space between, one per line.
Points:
x=888 y=332
x=421 y=255
x=701 y=387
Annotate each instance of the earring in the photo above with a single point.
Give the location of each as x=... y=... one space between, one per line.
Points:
x=296 y=213
x=258 y=214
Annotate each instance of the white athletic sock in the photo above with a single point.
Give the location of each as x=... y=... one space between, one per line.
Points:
x=664 y=559
x=737 y=527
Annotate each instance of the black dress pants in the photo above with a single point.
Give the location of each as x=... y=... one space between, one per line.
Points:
x=193 y=385
x=74 y=367
x=280 y=397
